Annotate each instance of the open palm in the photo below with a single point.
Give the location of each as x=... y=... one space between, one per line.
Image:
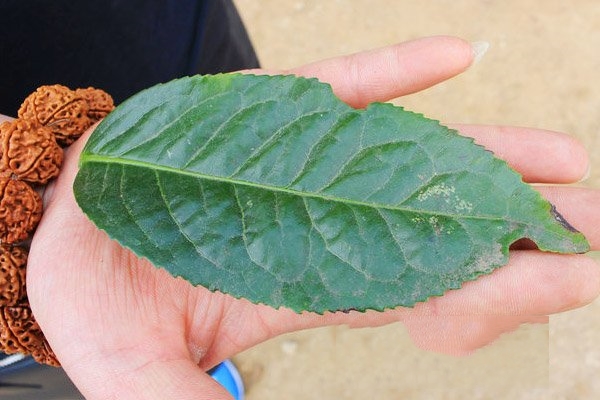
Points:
x=124 y=329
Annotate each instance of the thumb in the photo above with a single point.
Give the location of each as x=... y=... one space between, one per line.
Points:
x=176 y=378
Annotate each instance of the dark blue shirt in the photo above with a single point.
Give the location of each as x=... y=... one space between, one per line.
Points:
x=121 y=46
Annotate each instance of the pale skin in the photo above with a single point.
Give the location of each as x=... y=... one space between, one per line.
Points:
x=124 y=329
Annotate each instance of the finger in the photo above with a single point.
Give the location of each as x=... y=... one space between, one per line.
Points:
x=134 y=375
x=390 y=72
x=5 y=118
x=177 y=379
x=579 y=207
x=541 y=156
x=532 y=286
x=460 y=336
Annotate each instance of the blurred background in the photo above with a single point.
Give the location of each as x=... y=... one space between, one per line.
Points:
x=542 y=71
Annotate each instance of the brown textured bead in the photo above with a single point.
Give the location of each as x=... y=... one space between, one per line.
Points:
x=70 y=122
x=60 y=109
x=20 y=333
x=13 y=264
x=100 y=103
x=44 y=354
x=29 y=152
x=9 y=343
x=41 y=105
x=20 y=210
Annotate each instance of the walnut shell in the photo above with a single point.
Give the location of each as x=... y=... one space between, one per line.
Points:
x=29 y=152
x=13 y=264
x=100 y=103
x=60 y=109
x=20 y=333
x=20 y=210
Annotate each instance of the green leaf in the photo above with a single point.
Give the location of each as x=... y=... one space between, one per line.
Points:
x=272 y=189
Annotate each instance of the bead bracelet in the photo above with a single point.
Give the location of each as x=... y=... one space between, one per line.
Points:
x=31 y=154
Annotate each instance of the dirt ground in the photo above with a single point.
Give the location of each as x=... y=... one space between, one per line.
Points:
x=541 y=70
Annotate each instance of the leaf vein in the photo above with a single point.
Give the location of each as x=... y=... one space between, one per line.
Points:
x=281 y=131
x=177 y=222
x=92 y=158
x=328 y=247
x=310 y=157
x=245 y=238
x=220 y=130
x=134 y=220
x=159 y=133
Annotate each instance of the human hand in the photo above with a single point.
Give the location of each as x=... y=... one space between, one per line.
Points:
x=124 y=329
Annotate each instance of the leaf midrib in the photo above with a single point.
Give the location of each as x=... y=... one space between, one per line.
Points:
x=103 y=159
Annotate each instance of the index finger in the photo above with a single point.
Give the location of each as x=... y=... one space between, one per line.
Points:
x=389 y=72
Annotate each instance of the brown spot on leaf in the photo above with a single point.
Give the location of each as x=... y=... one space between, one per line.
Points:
x=561 y=220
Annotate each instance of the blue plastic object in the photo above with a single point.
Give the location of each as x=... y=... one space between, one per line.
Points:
x=228 y=376
x=14 y=362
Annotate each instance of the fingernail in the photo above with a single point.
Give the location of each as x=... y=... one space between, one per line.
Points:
x=586 y=175
x=479 y=49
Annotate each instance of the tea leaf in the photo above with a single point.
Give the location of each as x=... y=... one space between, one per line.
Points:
x=272 y=189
